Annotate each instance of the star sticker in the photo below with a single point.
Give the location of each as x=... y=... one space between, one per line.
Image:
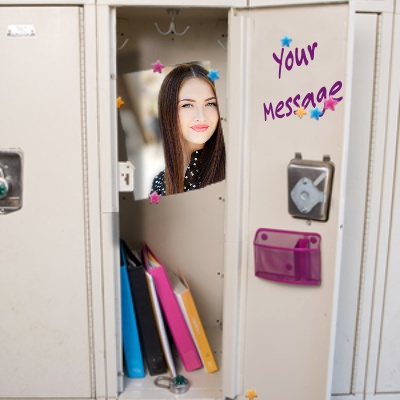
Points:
x=286 y=41
x=330 y=103
x=250 y=394
x=157 y=66
x=213 y=74
x=316 y=113
x=300 y=112
x=119 y=102
x=154 y=197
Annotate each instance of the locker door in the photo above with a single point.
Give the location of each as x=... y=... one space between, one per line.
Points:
x=45 y=332
x=287 y=58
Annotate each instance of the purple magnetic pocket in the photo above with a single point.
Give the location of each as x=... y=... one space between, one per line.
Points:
x=287 y=256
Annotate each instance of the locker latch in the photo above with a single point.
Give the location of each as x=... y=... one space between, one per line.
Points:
x=4 y=185
x=126 y=173
x=309 y=187
x=10 y=180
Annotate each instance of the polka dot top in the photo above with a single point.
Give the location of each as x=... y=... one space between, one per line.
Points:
x=192 y=177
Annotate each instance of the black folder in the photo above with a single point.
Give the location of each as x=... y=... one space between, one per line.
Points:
x=148 y=333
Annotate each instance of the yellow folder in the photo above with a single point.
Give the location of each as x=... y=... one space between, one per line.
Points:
x=189 y=309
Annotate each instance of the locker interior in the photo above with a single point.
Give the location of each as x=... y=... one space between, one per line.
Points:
x=185 y=230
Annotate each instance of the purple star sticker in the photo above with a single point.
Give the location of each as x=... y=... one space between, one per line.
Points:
x=157 y=66
x=154 y=197
x=330 y=103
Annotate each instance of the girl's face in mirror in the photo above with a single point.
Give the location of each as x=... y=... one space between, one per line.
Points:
x=197 y=112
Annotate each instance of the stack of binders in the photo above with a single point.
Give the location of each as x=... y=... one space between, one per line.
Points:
x=149 y=297
x=147 y=326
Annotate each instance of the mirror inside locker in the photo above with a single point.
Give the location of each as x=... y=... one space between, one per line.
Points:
x=150 y=43
x=185 y=231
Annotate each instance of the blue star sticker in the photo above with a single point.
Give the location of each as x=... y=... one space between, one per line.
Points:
x=315 y=113
x=286 y=41
x=213 y=74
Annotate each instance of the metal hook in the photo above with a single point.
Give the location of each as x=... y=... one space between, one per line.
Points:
x=172 y=30
x=123 y=44
x=222 y=45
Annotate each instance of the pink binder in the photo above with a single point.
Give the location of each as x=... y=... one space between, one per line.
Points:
x=172 y=312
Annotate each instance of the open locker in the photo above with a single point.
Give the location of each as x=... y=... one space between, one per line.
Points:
x=184 y=230
x=252 y=358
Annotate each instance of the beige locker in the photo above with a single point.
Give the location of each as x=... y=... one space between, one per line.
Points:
x=60 y=331
x=256 y=356
x=46 y=334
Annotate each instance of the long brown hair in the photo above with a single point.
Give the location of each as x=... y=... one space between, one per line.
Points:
x=212 y=158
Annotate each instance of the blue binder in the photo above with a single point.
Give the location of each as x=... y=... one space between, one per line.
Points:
x=134 y=367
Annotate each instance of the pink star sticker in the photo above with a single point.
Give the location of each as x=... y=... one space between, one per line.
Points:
x=330 y=103
x=154 y=197
x=157 y=66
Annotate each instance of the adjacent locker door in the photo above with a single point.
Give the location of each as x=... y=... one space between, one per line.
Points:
x=44 y=329
x=365 y=44
x=287 y=61
x=383 y=372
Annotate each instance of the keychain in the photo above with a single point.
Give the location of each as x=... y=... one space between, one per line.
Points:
x=177 y=385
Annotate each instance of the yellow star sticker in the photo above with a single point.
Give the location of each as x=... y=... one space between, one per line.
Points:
x=300 y=112
x=250 y=394
x=119 y=102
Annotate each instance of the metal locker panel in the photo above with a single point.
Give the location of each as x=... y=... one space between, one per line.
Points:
x=175 y=3
x=45 y=334
x=363 y=81
x=362 y=5
x=286 y=331
x=388 y=372
x=388 y=274
x=264 y=3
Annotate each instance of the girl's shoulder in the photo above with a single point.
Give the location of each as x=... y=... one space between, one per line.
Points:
x=159 y=184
